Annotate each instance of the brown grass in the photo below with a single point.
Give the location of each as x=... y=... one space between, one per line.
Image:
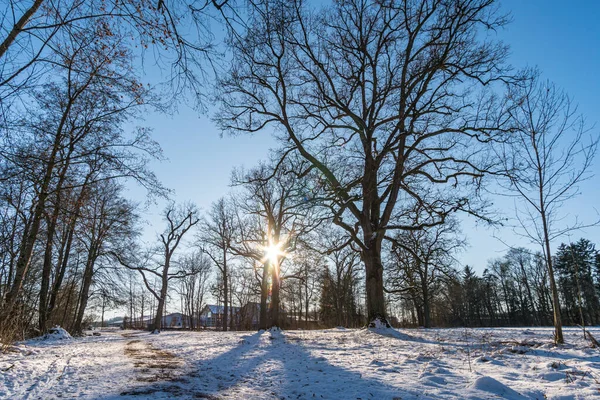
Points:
x=152 y=364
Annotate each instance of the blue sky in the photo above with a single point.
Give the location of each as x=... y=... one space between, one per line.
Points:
x=562 y=40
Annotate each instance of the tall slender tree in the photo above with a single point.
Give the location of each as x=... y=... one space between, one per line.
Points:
x=550 y=155
x=215 y=239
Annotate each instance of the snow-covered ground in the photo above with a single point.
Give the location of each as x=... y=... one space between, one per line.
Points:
x=508 y=363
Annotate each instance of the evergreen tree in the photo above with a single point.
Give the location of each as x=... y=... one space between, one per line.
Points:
x=575 y=264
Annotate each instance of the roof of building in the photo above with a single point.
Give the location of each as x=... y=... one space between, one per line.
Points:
x=175 y=314
x=214 y=309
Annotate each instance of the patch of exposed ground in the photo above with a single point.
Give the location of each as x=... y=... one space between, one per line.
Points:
x=152 y=365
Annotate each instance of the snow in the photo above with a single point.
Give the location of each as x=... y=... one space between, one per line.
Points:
x=494 y=388
x=56 y=333
x=502 y=363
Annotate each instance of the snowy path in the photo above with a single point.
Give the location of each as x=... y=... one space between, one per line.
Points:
x=510 y=363
x=68 y=368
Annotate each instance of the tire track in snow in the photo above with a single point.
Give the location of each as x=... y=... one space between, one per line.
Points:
x=50 y=379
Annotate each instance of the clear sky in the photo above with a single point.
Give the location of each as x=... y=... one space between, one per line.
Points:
x=561 y=38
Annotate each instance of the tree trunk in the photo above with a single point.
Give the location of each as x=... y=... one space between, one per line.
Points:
x=231 y=313
x=426 y=307
x=275 y=285
x=374 y=285
x=43 y=309
x=225 y=291
x=69 y=285
x=157 y=325
x=306 y=302
x=24 y=259
x=142 y=311
x=300 y=305
x=66 y=253
x=18 y=28
x=85 y=290
x=558 y=334
x=103 y=307
x=46 y=272
x=264 y=293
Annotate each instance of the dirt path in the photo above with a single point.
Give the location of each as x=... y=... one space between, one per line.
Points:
x=152 y=365
x=159 y=371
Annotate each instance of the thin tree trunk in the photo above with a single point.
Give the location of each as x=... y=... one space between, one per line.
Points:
x=19 y=26
x=300 y=305
x=43 y=309
x=64 y=260
x=558 y=334
x=225 y=288
x=103 y=307
x=275 y=301
x=264 y=293
x=85 y=290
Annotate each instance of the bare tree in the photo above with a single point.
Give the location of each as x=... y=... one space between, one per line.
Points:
x=275 y=196
x=385 y=100
x=421 y=260
x=109 y=219
x=215 y=240
x=180 y=220
x=193 y=287
x=177 y=33
x=73 y=138
x=551 y=154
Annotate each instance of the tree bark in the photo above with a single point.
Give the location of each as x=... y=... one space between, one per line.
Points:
x=374 y=285
x=43 y=309
x=157 y=324
x=225 y=290
x=275 y=300
x=264 y=293
x=18 y=28
x=88 y=273
x=558 y=334
x=426 y=307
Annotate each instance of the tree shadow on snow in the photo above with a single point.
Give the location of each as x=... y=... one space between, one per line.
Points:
x=268 y=365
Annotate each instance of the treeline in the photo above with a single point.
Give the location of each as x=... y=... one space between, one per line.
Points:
x=62 y=170
x=513 y=291
x=70 y=96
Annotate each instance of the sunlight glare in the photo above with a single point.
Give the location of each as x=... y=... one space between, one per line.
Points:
x=273 y=253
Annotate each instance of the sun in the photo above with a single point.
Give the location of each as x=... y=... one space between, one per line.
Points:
x=273 y=253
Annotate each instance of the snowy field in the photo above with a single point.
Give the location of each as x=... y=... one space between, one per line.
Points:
x=508 y=363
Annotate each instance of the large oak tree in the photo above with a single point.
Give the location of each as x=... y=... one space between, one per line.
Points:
x=388 y=100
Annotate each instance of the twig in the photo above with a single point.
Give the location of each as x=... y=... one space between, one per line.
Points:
x=595 y=343
x=8 y=368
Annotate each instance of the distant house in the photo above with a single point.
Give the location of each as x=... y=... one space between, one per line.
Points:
x=175 y=320
x=211 y=316
x=115 y=323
